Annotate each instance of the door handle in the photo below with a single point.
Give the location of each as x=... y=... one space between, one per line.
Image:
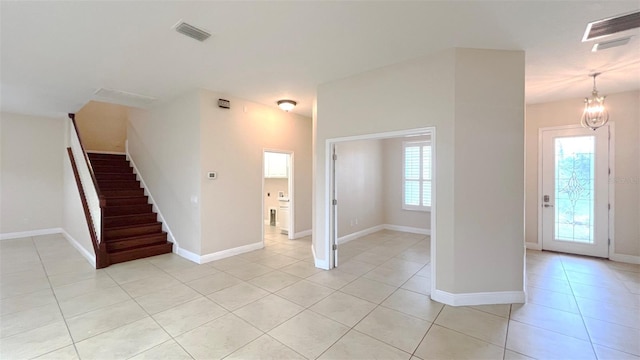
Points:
x=547 y=205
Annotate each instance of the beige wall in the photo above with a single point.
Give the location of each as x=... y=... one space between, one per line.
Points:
x=369 y=186
x=164 y=143
x=394 y=214
x=103 y=126
x=271 y=188
x=176 y=143
x=32 y=150
x=473 y=98
x=232 y=143
x=359 y=186
x=624 y=111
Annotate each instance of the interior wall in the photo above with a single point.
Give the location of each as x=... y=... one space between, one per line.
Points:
x=31 y=176
x=164 y=143
x=475 y=100
x=624 y=112
x=103 y=126
x=489 y=171
x=232 y=142
x=392 y=171
x=271 y=188
x=359 y=186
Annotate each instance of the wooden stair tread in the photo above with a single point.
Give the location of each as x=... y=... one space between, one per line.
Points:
x=133 y=226
x=137 y=237
x=139 y=253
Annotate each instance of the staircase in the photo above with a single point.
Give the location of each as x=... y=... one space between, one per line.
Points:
x=130 y=228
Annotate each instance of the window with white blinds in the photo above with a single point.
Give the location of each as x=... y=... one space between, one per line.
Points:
x=416 y=179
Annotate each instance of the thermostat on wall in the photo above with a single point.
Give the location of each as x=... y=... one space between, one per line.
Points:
x=212 y=175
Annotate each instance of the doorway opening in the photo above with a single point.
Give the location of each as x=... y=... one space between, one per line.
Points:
x=575 y=191
x=395 y=227
x=278 y=197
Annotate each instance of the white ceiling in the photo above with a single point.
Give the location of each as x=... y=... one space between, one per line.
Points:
x=54 y=55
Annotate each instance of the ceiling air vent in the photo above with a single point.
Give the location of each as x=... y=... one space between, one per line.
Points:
x=191 y=31
x=610 y=44
x=604 y=27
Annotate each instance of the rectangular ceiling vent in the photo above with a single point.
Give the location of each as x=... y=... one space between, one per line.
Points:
x=123 y=98
x=610 y=44
x=192 y=31
x=605 y=27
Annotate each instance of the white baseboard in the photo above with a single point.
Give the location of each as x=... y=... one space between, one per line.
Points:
x=23 y=234
x=198 y=259
x=407 y=229
x=371 y=230
x=87 y=255
x=631 y=259
x=106 y=152
x=358 y=234
x=320 y=264
x=301 y=234
x=483 y=298
x=533 y=246
x=187 y=254
x=165 y=225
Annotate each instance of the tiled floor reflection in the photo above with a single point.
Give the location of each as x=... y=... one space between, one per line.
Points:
x=273 y=303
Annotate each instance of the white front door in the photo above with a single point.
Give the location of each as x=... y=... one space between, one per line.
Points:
x=575 y=191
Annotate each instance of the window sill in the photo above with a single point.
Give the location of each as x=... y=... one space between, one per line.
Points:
x=417 y=208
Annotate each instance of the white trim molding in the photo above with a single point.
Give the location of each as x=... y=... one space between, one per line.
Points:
x=483 y=298
x=407 y=229
x=631 y=259
x=30 y=233
x=91 y=258
x=320 y=264
x=358 y=234
x=23 y=234
x=302 y=234
x=202 y=259
x=533 y=246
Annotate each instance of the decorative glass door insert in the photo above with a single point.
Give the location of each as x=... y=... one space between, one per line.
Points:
x=575 y=192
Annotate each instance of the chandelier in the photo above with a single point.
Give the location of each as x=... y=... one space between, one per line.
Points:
x=595 y=114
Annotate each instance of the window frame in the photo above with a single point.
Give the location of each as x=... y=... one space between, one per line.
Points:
x=420 y=144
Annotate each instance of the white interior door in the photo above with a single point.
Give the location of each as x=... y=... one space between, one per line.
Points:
x=575 y=191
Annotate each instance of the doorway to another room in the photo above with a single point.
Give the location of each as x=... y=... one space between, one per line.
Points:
x=278 y=201
x=382 y=212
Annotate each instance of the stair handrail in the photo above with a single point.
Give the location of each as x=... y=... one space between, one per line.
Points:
x=93 y=200
x=86 y=160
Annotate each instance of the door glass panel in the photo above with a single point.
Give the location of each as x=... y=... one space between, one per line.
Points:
x=574 y=188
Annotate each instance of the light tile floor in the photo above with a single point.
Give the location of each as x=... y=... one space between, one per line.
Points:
x=273 y=303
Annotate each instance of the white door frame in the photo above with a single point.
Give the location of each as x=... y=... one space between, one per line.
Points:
x=329 y=190
x=290 y=189
x=612 y=197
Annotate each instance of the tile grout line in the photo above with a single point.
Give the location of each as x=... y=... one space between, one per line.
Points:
x=66 y=324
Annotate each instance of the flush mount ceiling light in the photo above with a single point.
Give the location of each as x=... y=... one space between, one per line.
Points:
x=595 y=114
x=287 y=105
